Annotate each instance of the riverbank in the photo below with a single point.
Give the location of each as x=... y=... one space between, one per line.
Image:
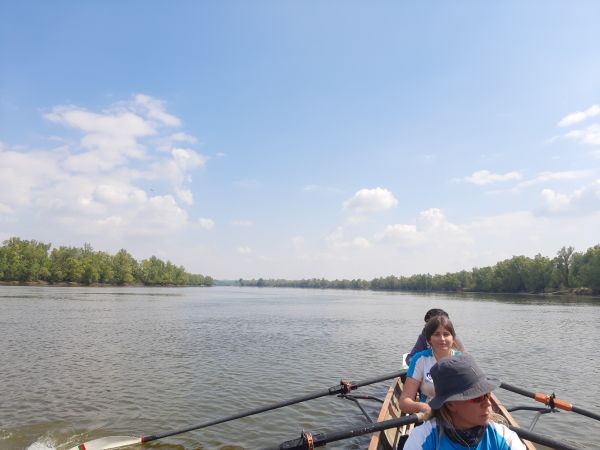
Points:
x=572 y=292
x=95 y=285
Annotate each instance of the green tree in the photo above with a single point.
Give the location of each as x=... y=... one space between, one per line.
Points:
x=563 y=262
x=23 y=261
x=589 y=271
x=124 y=268
x=538 y=274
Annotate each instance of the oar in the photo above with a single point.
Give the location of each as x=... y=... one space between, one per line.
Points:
x=308 y=440
x=120 y=441
x=550 y=400
x=539 y=439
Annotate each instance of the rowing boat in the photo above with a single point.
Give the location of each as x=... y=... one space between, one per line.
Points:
x=390 y=409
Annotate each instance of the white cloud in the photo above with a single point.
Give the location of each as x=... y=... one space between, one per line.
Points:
x=371 y=200
x=23 y=175
x=582 y=201
x=119 y=194
x=554 y=201
x=430 y=219
x=565 y=175
x=579 y=116
x=187 y=159
x=589 y=135
x=482 y=177
x=357 y=220
x=183 y=137
x=6 y=212
x=185 y=196
x=206 y=223
x=336 y=240
x=400 y=233
x=244 y=250
x=91 y=185
x=110 y=139
x=430 y=226
x=155 y=110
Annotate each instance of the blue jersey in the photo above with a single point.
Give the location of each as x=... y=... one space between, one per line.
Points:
x=420 y=366
x=496 y=437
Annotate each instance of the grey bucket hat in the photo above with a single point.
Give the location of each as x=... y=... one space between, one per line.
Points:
x=459 y=378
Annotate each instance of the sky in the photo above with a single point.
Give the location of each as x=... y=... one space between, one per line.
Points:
x=302 y=139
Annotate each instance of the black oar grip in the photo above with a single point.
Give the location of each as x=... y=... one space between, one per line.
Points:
x=539 y=439
x=321 y=439
x=517 y=390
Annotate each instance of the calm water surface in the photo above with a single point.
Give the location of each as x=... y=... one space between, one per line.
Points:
x=84 y=363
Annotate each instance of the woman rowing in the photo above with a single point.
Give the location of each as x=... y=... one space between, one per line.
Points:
x=421 y=343
x=462 y=411
x=440 y=336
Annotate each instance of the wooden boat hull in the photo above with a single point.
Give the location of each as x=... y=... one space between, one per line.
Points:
x=390 y=409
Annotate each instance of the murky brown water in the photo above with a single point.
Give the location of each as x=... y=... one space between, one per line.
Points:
x=84 y=363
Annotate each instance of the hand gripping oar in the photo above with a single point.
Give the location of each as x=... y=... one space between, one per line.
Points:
x=550 y=400
x=120 y=441
x=308 y=441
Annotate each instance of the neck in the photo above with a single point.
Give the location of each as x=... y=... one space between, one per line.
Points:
x=443 y=354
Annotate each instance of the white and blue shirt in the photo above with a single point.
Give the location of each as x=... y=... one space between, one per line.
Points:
x=496 y=437
x=419 y=369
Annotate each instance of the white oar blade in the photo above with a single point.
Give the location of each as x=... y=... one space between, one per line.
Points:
x=108 y=442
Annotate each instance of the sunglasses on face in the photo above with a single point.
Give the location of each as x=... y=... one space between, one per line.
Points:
x=481 y=398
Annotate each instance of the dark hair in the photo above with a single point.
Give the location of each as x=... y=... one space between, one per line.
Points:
x=435 y=312
x=435 y=322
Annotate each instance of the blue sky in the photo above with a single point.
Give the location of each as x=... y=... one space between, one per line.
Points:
x=302 y=139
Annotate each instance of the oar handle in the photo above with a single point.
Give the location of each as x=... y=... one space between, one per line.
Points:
x=539 y=439
x=308 y=440
x=550 y=400
x=517 y=390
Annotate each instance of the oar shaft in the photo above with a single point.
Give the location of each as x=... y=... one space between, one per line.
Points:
x=539 y=439
x=322 y=439
x=331 y=391
x=517 y=390
x=584 y=412
x=550 y=400
x=238 y=416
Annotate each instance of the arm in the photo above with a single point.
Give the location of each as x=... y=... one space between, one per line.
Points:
x=407 y=399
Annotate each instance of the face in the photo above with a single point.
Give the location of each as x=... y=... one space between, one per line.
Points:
x=441 y=340
x=470 y=413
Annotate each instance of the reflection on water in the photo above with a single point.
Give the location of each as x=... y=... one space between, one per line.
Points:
x=84 y=363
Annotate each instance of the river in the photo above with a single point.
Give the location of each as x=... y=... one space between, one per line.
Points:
x=84 y=363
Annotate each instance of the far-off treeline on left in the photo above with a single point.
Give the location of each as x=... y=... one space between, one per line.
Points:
x=23 y=261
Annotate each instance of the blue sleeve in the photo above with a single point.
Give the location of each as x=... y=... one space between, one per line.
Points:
x=413 y=365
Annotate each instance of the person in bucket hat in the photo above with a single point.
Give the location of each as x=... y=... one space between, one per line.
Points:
x=462 y=411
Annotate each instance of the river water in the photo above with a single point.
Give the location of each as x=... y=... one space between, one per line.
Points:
x=84 y=363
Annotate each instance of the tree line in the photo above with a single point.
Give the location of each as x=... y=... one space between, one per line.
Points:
x=31 y=261
x=570 y=271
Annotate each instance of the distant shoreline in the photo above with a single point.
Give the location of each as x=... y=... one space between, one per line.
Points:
x=96 y=285
x=574 y=292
